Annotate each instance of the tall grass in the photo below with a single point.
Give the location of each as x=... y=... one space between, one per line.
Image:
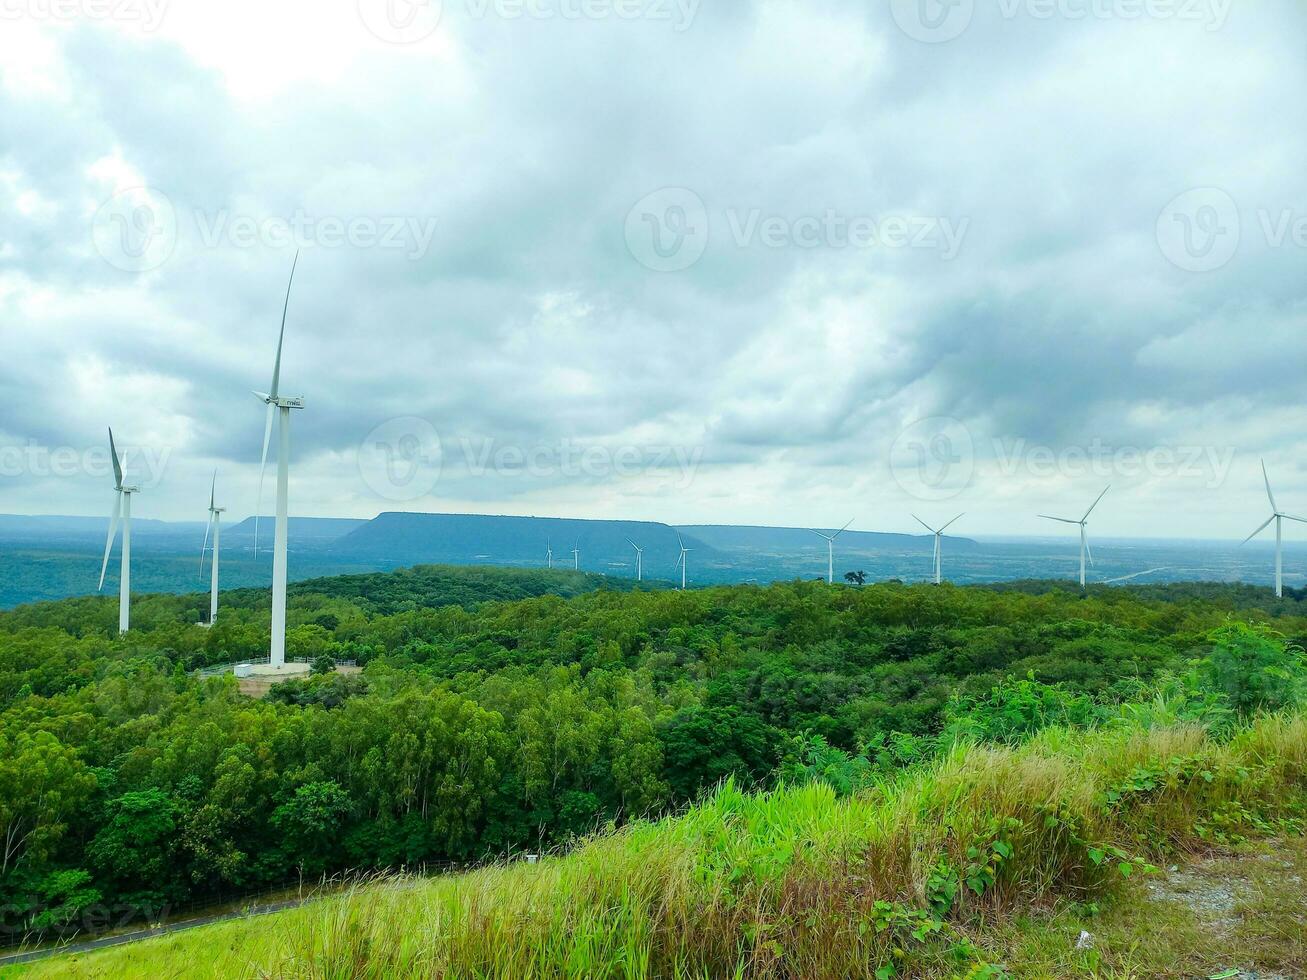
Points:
x=800 y=882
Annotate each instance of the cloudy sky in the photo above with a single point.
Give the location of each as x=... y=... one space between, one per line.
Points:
x=679 y=260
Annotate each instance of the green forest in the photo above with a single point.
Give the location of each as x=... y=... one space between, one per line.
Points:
x=499 y=711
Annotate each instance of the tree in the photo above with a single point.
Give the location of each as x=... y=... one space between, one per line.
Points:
x=310 y=822
x=322 y=664
x=856 y=578
x=135 y=846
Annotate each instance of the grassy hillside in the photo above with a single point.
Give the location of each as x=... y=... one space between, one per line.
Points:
x=494 y=715
x=915 y=875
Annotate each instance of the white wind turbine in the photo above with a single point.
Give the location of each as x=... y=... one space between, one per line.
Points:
x=281 y=406
x=576 y=556
x=939 y=542
x=830 y=549
x=680 y=561
x=122 y=510
x=639 y=556
x=1279 y=518
x=549 y=554
x=1085 y=552
x=214 y=526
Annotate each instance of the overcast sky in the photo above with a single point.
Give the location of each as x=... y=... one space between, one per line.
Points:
x=714 y=261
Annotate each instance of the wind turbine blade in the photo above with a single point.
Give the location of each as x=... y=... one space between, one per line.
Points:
x=1064 y=520
x=276 y=367
x=117 y=466
x=1259 y=530
x=205 y=547
x=950 y=523
x=1290 y=517
x=923 y=523
x=935 y=554
x=263 y=466
x=841 y=530
x=1095 y=503
x=1268 y=488
x=821 y=534
x=1088 y=550
x=113 y=530
x=213 y=488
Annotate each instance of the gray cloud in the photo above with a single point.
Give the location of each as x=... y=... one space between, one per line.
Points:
x=505 y=155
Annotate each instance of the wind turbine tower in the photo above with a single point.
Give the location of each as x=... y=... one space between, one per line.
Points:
x=939 y=543
x=1083 y=523
x=280 y=406
x=830 y=550
x=215 y=526
x=681 y=559
x=1279 y=517
x=122 y=510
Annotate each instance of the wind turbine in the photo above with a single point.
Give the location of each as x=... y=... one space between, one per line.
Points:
x=214 y=525
x=939 y=541
x=576 y=556
x=280 y=406
x=681 y=559
x=830 y=550
x=639 y=555
x=1084 y=536
x=549 y=554
x=122 y=510
x=1279 y=517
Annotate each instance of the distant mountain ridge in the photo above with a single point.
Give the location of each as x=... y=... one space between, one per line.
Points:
x=411 y=538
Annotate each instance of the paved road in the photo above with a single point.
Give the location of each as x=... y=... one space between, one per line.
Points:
x=139 y=934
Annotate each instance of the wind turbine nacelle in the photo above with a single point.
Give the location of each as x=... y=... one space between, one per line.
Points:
x=287 y=401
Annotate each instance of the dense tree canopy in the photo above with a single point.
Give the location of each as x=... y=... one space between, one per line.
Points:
x=491 y=714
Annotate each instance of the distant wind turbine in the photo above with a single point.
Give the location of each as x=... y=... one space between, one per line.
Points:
x=639 y=555
x=1085 y=552
x=576 y=556
x=214 y=525
x=830 y=550
x=680 y=561
x=1279 y=518
x=122 y=510
x=549 y=554
x=283 y=405
x=939 y=540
